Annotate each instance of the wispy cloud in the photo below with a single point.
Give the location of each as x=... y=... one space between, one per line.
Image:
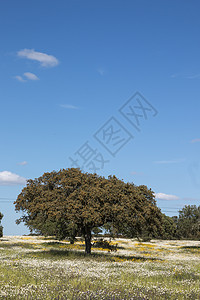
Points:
x=195 y=140
x=175 y=75
x=69 y=106
x=101 y=71
x=44 y=59
x=27 y=76
x=9 y=178
x=19 y=78
x=195 y=76
x=174 y=161
x=184 y=76
x=162 y=196
x=31 y=76
x=23 y=163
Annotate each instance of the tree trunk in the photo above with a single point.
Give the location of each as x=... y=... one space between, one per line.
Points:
x=88 y=237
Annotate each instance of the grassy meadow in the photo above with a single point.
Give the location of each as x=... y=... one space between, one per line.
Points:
x=43 y=268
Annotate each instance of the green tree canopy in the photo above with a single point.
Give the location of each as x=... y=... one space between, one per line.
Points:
x=188 y=223
x=169 y=228
x=69 y=202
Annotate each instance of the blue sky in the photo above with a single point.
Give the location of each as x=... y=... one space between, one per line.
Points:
x=67 y=67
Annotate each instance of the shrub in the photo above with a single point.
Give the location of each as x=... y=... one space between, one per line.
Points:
x=1 y=231
x=104 y=244
x=1 y=227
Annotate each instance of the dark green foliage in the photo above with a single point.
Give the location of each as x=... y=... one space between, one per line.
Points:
x=96 y=231
x=188 y=223
x=169 y=228
x=101 y=243
x=70 y=203
x=1 y=227
x=185 y=226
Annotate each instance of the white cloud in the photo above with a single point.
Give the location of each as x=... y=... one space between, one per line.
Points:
x=9 y=178
x=31 y=76
x=162 y=196
x=175 y=161
x=19 y=78
x=45 y=60
x=23 y=163
x=27 y=75
x=195 y=141
x=68 y=106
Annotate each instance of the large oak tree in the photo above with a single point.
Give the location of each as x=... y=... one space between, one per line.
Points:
x=69 y=202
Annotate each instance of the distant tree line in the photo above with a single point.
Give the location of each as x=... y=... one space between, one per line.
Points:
x=70 y=203
x=185 y=226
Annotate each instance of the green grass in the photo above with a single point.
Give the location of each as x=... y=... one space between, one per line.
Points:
x=191 y=247
x=45 y=271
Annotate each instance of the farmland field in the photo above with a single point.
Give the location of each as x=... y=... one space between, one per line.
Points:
x=43 y=268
